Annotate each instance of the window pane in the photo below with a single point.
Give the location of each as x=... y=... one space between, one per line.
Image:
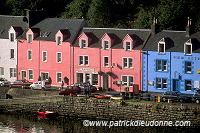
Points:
x=80 y=60
x=125 y=62
x=12 y=37
x=159 y=68
x=58 y=40
x=59 y=77
x=188 y=67
x=161 y=48
x=130 y=80
x=83 y=43
x=29 y=38
x=30 y=72
x=58 y=57
x=29 y=54
x=130 y=62
x=164 y=65
x=128 y=46
x=11 y=53
x=124 y=79
x=105 y=61
x=1 y=71
x=86 y=60
x=188 y=85
x=106 y=45
x=188 y=49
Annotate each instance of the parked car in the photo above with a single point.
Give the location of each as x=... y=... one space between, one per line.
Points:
x=4 y=82
x=20 y=84
x=40 y=85
x=70 y=89
x=81 y=85
x=175 y=96
x=196 y=96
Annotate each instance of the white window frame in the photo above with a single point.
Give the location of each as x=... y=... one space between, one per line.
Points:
x=12 y=72
x=58 y=79
x=127 y=83
x=1 y=70
x=162 y=83
x=188 y=85
x=106 y=45
x=105 y=64
x=187 y=66
x=84 y=60
x=44 y=58
x=161 y=66
x=59 y=59
x=83 y=45
x=44 y=73
x=128 y=62
x=29 y=54
x=12 y=53
x=125 y=44
x=12 y=37
x=188 y=43
x=30 y=38
x=30 y=75
x=161 y=42
x=59 y=40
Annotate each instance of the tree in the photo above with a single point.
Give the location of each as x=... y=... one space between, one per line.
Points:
x=76 y=9
x=99 y=14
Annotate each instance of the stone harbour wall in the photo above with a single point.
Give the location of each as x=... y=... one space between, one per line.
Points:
x=101 y=109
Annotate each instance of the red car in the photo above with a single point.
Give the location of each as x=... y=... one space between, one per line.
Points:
x=20 y=84
x=71 y=89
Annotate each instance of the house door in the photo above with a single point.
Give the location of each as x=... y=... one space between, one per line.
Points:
x=23 y=74
x=105 y=81
x=176 y=85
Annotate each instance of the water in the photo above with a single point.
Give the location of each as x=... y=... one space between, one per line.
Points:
x=34 y=124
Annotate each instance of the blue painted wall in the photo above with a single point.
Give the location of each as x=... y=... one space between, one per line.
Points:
x=175 y=70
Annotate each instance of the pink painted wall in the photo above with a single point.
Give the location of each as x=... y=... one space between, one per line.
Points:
x=38 y=66
x=115 y=56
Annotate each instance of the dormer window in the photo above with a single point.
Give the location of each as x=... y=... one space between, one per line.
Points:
x=30 y=38
x=12 y=37
x=161 y=46
x=58 y=40
x=105 y=45
x=188 y=48
x=83 y=43
x=127 y=46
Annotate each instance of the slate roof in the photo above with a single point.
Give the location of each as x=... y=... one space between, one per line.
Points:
x=175 y=41
x=53 y=25
x=7 y=21
x=117 y=34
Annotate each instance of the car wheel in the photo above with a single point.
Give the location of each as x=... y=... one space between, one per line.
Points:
x=181 y=100
x=164 y=99
x=197 y=101
x=1 y=84
x=10 y=86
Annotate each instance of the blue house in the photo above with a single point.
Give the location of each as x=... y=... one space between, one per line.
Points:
x=171 y=61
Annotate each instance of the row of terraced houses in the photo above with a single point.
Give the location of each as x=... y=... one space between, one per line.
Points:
x=154 y=60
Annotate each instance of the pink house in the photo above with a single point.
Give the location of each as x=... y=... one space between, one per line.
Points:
x=109 y=58
x=44 y=51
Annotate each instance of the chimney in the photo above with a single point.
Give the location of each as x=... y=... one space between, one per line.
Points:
x=34 y=17
x=188 y=27
x=154 y=26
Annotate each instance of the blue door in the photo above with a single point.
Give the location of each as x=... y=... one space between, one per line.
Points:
x=176 y=85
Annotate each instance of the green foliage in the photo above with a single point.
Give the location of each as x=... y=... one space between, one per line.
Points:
x=76 y=9
x=171 y=14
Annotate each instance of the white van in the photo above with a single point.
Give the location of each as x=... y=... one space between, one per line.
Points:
x=40 y=85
